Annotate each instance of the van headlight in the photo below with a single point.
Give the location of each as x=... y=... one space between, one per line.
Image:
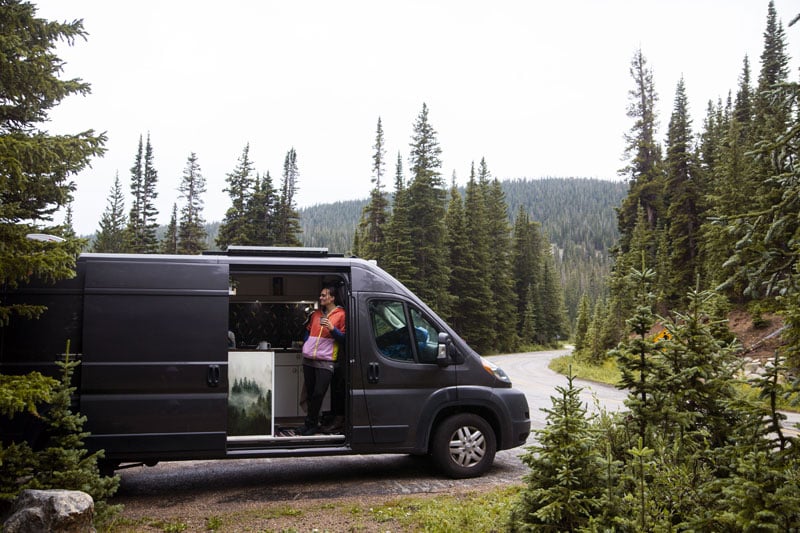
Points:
x=495 y=370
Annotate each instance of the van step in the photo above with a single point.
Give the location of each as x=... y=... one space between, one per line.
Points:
x=259 y=441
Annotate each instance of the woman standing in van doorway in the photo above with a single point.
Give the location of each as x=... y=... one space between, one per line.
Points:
x=326 y=331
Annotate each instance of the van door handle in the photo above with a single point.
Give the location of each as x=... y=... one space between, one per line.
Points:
x=212 y=377
x=374 y=373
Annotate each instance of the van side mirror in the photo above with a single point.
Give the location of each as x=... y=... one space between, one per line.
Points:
x=445 y=349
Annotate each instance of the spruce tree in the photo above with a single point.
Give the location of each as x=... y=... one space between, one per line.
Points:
x=233 y=228
x=261 y=213
x=562 y=491
x=191 y=230
x=643 y=170
x=398 y=253
x=63 y=462
x=426 y=208
x=370 y=235
x=501 y=282
x=110 y=237
x=476 y=304
x=169 y=244
x=463 y=271
x=142 y=223
x=582 y=324
x=287 y=224
x=527 y=268
x=683 y=193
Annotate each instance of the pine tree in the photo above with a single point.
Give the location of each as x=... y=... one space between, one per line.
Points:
x=644 y=153
x=527 y=268
x=582 y=324
x=261 y=213
x=36 y=168
x=683 y=195
x=501 y=282
x=233 y=230
x=142 y=223
x=761 y=236
x=370 y=235
x=553 y=315
x=463 y=270
x=399 y=256
x=64 y=463
x=169 y=244
x=191 y=230
x=110 y=237
x=562 y=491
x=475 y=301
x=426 y=207
x=287 y=225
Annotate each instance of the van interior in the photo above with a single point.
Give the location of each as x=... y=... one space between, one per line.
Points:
x=267 y=317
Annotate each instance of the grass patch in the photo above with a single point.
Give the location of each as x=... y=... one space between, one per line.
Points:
x=485 y=511
x=607 y=373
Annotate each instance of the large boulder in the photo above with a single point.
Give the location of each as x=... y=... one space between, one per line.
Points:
x=56 y=511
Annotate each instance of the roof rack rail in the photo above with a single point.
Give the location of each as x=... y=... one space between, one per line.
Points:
x=273 y=251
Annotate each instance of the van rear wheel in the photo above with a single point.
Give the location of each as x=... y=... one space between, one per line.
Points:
x=464 y=446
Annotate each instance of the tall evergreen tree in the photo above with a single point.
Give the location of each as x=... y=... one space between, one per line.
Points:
x=474 y=303
x=191 y=230
x=288 y=219
x=426 y=205
x=169 y=244
x=643 y=151
x=233 y=228
x=261 y=213
x=372 y=226
x=463 y=268
x=501 y=282
x=582 y=324
x=142 y=223
x=754 y=260
x=36 y=167
x=683 y=194
x=527 y=268
x=399 y=250
x=111 y=235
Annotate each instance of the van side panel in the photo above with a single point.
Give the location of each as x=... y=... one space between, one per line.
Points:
x=154 y=373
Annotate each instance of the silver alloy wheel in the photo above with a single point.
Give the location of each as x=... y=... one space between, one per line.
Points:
x=467 y=446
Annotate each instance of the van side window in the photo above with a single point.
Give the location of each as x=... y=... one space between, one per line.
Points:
x=427 y=337
x=393 y=335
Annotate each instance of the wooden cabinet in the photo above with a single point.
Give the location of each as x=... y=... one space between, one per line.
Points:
x=289 y=385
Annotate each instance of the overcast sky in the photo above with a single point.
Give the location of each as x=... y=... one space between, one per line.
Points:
x=538 y=88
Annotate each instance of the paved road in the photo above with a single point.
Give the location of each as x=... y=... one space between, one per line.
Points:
x=210 y=483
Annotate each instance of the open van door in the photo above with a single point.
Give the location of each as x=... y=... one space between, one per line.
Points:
x=154 y=370
x=400 y=374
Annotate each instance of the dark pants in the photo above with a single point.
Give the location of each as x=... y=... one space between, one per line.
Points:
x=317 y=381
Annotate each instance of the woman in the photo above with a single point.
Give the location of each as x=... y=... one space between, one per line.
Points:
x=324 y=341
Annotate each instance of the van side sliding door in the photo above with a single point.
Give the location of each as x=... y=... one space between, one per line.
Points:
x=154 y=372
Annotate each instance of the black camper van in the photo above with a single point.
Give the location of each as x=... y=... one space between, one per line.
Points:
x=198 y=357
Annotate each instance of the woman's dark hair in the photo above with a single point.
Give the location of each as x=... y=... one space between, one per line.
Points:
x=333 y=290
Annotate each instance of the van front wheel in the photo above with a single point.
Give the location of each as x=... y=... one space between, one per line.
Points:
x=464 y=446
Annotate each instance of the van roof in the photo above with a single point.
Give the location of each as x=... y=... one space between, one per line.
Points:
x=273 y=251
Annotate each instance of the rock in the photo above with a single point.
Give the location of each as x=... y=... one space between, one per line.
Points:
x=56 y=511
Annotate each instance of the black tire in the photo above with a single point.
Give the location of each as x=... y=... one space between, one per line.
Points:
x=464 y=446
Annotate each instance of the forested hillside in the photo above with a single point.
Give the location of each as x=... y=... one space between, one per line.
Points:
x=578 y=216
